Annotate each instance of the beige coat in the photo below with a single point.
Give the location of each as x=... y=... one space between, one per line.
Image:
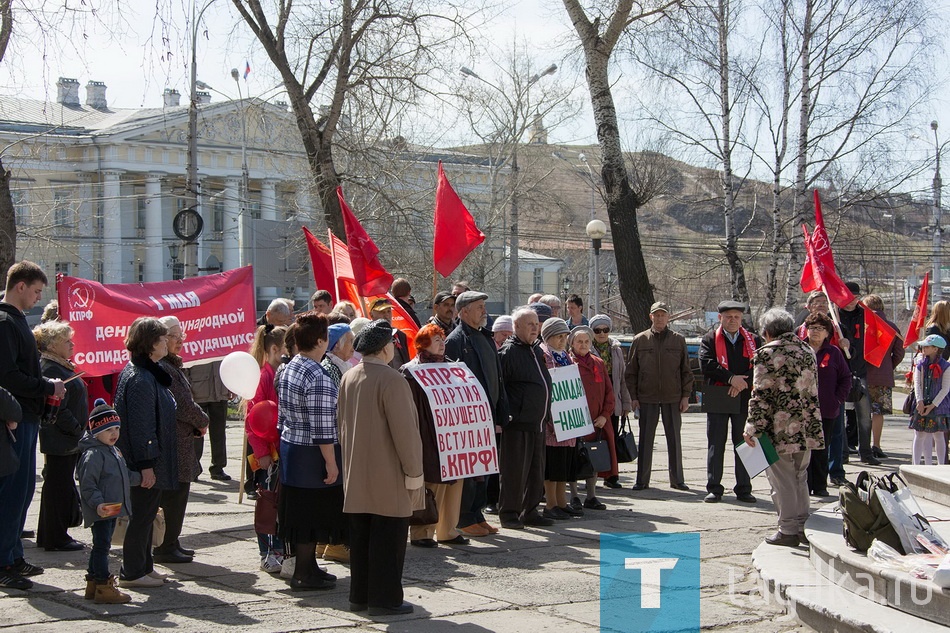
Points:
x=379 y=434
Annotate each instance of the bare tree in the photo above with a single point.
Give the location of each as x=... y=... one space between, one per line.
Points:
x=598 y=42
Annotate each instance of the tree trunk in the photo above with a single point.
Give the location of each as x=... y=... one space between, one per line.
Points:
x=7 y=221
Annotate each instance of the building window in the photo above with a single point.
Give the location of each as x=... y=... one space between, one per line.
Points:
x=538 y=280
x=254 y=206
x=21 y=207
x=62 y=209
x=62 y=268
x=178 y=270
x=140 y=269
x=100 y=275
x=217 y=215
x=140 y=208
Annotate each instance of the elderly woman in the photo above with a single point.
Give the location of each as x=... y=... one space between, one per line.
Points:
x=784 y=406
x=59 y=440
x=834 y=383
x=382 y=472
x=559 y=457
x=148 y=442
x=339 y=352
x=190 y=422
x=430 y=348
x=310 y=505
x=600 y=401
x=611 y=353
x=501 y=329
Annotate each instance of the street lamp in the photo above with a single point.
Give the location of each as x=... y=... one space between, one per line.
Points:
x=596 y=230
x=514 y=267
x=236 y=76
x=893 y=218
x=938 y=231
x=566 y=288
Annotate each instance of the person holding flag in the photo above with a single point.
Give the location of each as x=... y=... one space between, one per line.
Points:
x=853 y=329
x=881 y=378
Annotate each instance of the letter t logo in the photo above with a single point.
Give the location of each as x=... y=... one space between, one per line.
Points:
x=650 y=578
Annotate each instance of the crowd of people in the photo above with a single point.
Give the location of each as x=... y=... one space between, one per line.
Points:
x=342 y=446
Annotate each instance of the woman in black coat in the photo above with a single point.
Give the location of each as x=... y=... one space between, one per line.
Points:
x=59 y=441
x=148 y=443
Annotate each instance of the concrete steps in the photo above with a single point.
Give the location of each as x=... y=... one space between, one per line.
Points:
x=830 y=587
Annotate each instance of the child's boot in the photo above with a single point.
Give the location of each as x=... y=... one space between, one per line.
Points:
x=90 y=587
x=107 y=592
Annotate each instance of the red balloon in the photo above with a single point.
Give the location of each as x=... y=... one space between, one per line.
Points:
x=262 y=421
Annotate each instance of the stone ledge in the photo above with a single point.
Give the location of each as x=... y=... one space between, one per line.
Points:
x=928 y=482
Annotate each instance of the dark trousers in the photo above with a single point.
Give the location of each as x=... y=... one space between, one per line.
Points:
x=493 y=490
x=173 y=502
x=217 y=428
x=851 y=428
x=16 y=490
x=672 y=424
x=59 y=501
x=377 y=554
x=718 y=427
x=521 y=462
x=137 y=547
x=101 y=544
x=837 y=448
x=818 y=466
x=474 y=498
x=862 y=419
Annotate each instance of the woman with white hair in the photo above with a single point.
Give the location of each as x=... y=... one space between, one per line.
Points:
x=190 y=422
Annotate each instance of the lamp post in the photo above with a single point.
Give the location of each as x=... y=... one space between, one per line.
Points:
x=590 y=260
x=893 y=218
x=565 y=289
x=515 y=106
x=938 y=231
x=236 y=76
x=596 y=230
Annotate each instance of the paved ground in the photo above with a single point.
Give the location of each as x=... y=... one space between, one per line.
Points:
x=533 y=580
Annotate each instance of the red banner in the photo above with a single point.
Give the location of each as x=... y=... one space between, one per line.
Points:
x=916 y=326
x=217 y=314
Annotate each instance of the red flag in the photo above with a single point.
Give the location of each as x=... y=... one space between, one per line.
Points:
x=402 y=321
x=878 y=337
x=321 y=264
x=826 y=277
x=917 y=321
x=809 y=280
x=371 y=278
x=344 y=280
x=456 y=234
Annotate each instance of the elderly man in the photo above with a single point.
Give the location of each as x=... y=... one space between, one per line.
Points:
x=443 y=312
x=659 y=380
x=554 y=303
x=725 y=355
x=784 y=407
x=521 y=454
x=320 y=302
x=381 y=308
x=852 y=326
x=278 y=313
x=471 y=343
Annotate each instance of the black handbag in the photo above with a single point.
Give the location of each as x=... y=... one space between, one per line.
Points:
x=429 y=514
x=594 y=457
x=857 y=390
x=9 y=462
x=625 y=443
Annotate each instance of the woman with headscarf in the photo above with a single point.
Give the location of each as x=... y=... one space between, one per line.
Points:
x=560 y=457
x=339 y=352
x=600 y=401
x=430 y=348
x=59 y=440
x=382 y=472
x=610 y=351
x=190 y=422
x=148 y=443
x=310 y=505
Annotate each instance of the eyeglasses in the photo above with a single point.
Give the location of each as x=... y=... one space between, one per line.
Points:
x=601 y=330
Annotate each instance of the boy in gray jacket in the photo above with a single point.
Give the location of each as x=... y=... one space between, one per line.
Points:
x=104 y=482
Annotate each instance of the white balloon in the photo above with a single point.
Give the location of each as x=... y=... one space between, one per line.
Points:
x=241 y=374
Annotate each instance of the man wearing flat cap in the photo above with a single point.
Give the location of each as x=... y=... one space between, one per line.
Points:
x=725 y=356
x=381 y=308
x=472 y=343
x=659 y=380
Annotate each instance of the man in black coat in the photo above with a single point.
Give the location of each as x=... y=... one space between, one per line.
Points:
x=852 y=326
x=20 y=374
x=521 y=454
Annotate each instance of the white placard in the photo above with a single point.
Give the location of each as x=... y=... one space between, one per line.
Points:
x=569 y=412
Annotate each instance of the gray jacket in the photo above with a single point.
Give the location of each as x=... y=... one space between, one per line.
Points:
x=206 y=383
x=103 y=478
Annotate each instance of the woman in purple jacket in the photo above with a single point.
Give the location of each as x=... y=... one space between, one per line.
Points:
x=834 y=383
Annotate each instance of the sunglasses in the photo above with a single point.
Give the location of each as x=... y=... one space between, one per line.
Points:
x=601 y=330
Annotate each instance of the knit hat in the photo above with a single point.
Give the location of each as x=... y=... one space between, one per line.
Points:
x=357 y=324
x=102 y=417
x=553 y=327
x=374 y=337
x=543 y=311
x=579 y=329
x=335 y=332
x=504 y=323
x=600 y=320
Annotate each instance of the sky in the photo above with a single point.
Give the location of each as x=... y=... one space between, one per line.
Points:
x=137 y=57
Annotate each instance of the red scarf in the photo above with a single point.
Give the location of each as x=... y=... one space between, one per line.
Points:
x=748 y=347
x=591 y=364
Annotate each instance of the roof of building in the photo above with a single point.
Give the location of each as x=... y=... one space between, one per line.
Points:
x=34 y=115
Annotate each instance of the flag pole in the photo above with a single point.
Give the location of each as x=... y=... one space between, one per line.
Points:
x=435 y=282
x=833 y=311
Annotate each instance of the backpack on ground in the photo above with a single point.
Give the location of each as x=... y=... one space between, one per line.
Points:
x=863 y=518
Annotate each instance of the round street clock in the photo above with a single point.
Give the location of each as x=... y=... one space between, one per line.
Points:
x=187 y=225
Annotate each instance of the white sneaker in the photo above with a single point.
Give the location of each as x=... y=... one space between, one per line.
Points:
x=158 y=575
x=143 y=581
x=288 y=567
x=272 y=563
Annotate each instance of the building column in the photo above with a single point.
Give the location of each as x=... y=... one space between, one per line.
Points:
x=230 y=234
x=155 y=252
x=112 y=229
x=268 y=199
x=205 y=210
x=87 y=229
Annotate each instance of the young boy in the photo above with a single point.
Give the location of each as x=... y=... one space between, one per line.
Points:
x=104 y=484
